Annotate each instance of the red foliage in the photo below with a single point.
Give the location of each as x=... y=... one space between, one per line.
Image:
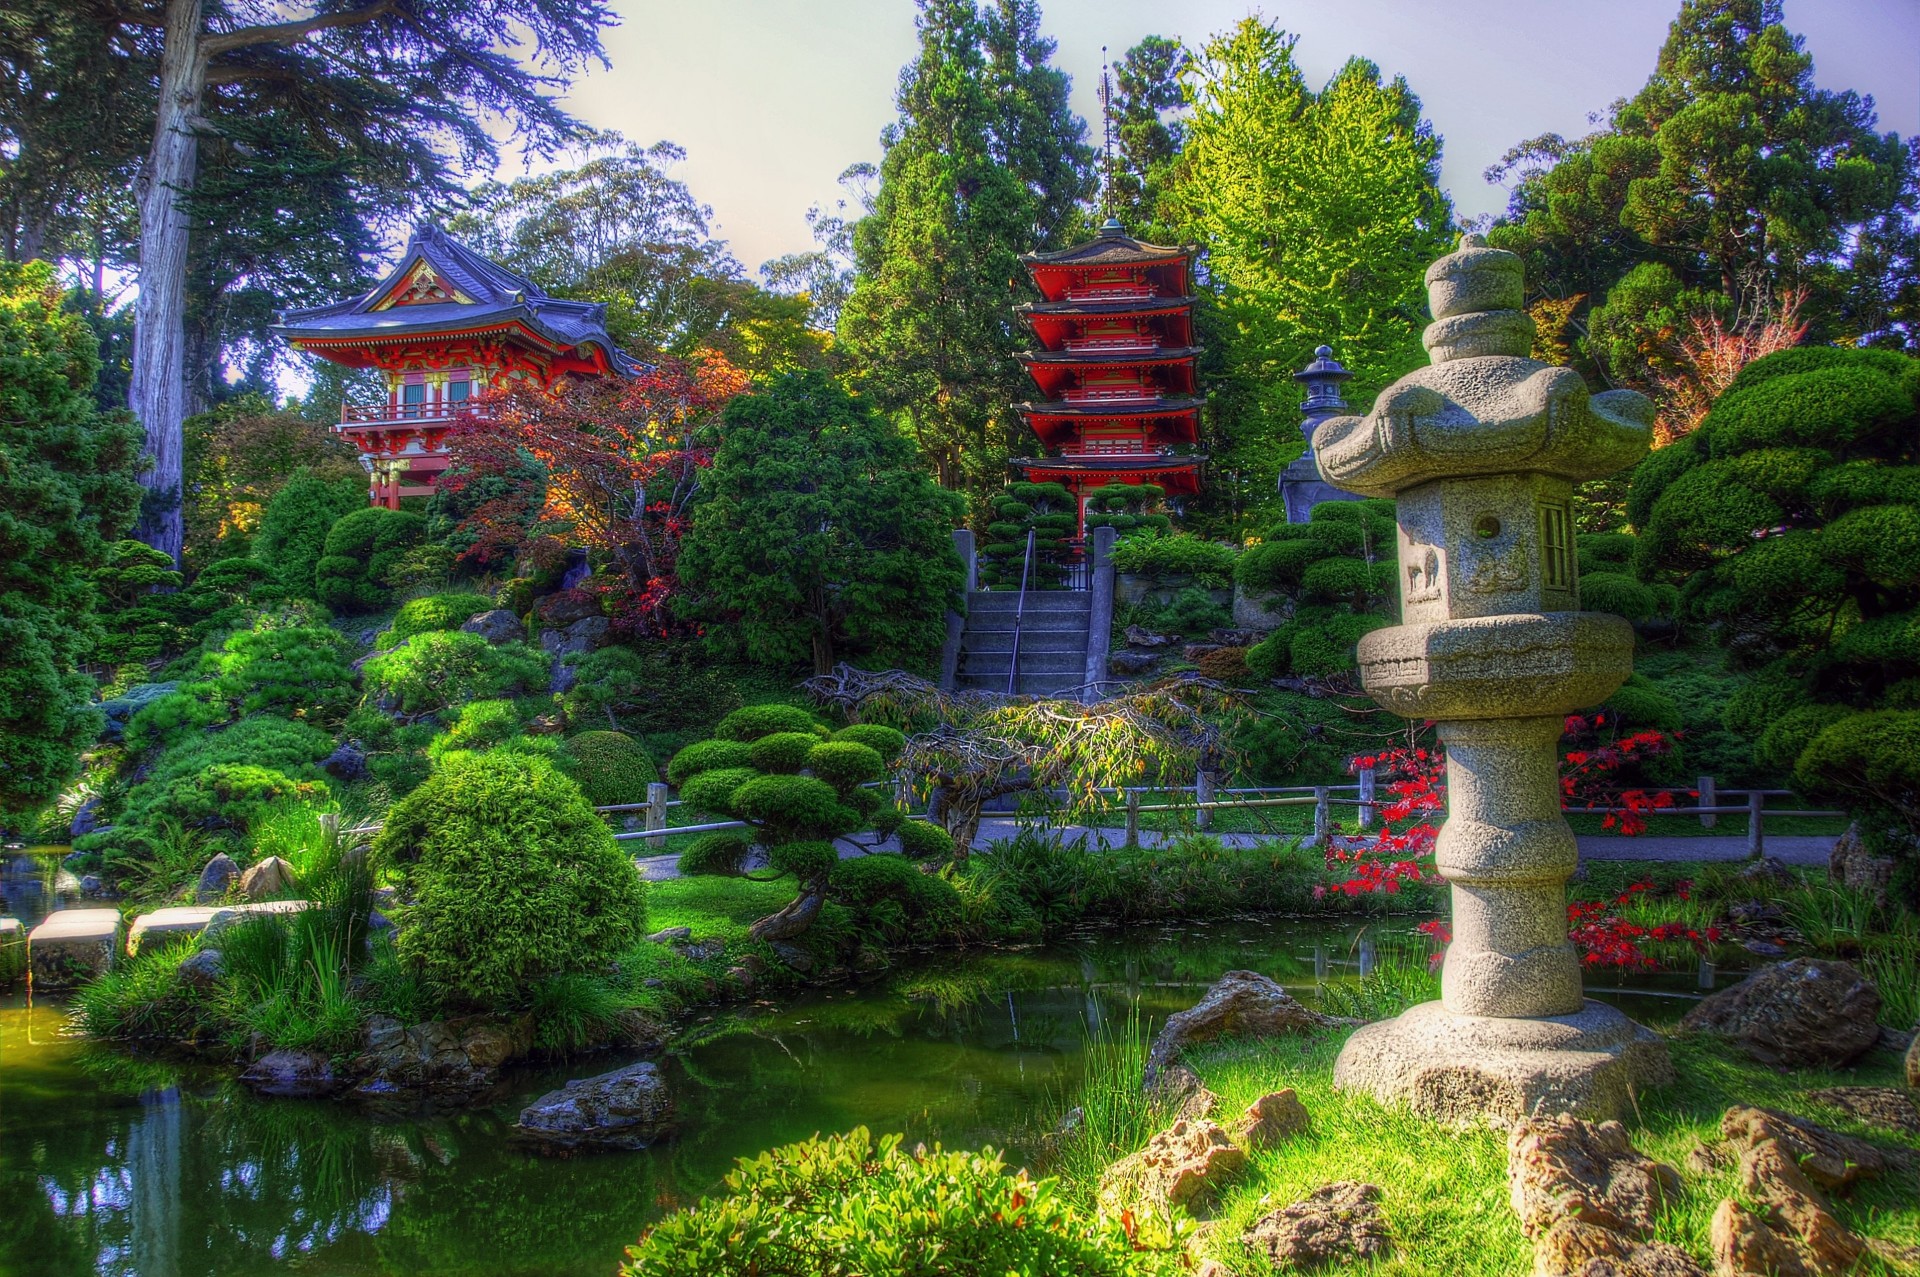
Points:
x=620 y=465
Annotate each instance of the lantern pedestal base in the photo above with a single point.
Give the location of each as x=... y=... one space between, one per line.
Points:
x=1467 y=1069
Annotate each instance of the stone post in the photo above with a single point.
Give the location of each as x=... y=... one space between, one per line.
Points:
x=1480 y=452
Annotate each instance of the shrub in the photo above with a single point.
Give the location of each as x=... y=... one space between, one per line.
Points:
x=361 y=549
x=1157 y=557
x=179 y=714
x=807 y=859
x=751 y=722
x=705 y=756
x=891 y=898
x=573 y=1010
x=845 y=764
x=792 y=807
x=144 y=999
x=435 y=612
x=1618 y=593
x=436 y=671
x=1191 y=612
x=719 y=853
x=511 y=877
x=292 y=669
x=653 y=686
x=1640 y=703
x=1225 y=665
x=883 y=740
x=479 y=725
x=1785 y=738
x=232 y=795
x=610 y=768
x=294 y=527
x=783 y=752
x=811 y=1209
x=712 y=791
x=923 y=840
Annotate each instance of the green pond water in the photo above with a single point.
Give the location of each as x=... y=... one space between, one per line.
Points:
x=115 y=1165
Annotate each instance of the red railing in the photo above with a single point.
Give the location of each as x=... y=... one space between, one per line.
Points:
x=381 y=414
x=1111 y=448
x=1103 y=345
x=1114 y=293
x=1113 y=394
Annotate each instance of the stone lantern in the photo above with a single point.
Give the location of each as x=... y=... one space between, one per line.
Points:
x=1301 y=487
x=1480 y=452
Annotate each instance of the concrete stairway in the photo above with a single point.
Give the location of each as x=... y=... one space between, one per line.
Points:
x=1053 y=642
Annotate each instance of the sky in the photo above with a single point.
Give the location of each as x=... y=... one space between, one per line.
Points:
x=773 y=99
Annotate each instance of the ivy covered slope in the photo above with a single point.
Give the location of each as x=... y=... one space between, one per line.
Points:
x=1791 y=521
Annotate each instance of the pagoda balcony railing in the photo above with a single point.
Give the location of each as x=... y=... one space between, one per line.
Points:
x=1115 y=448
x=1114 y=293
x=1114 y=394
x=1113 y=345
x=392 y=414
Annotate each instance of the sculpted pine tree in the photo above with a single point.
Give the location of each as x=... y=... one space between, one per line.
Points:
x=818 y=535
x=986 y=162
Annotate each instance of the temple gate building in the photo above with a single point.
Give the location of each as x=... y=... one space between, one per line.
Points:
x=443 y=326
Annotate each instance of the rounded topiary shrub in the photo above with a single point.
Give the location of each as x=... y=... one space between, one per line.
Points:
x=706 y=756
x=921 y=840
x=782 y=752
x=1618 y=593
x=436 y=671
x=845 y=764
x=435 y=612
x=882 y=740
x=479 y=725
x=610 y=767
x=751 y=722
x=712 y=791
x=793 y=807
x=509 y=877
x=806 y=860
x=717 y=854
x=361 y=549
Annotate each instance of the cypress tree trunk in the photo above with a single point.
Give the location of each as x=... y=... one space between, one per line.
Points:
x=159 y=393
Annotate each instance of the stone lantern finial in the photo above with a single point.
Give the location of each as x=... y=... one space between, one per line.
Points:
x=1480 y=452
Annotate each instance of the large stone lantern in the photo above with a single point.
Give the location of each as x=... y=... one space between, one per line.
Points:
x=1480 y=452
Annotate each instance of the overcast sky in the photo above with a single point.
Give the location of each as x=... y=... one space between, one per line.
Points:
x=773 y=99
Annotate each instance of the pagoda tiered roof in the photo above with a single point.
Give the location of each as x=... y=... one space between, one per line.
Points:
x=442 y=290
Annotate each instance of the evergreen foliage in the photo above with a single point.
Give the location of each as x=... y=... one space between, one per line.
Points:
x=66 y=490
x=1158 y=556
x=706 y=756
x=1334 y=576
x=294 y=527
x=610 y=767
x=362 y=549
x=434 y=612
x=509 y=877
x=1048 y=511
x=884 y=741
x=1148 y=133
x=818 y=537
x=439 y=670
x=479 y=726
x=719 y=854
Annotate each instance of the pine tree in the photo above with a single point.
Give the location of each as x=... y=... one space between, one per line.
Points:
x=1147 y=133
x=986 y=161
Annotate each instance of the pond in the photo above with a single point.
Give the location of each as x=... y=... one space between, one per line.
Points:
x=113 y=1165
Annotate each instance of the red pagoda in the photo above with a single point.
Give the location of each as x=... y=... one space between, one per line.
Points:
x=444 y=325
x=1116 y=364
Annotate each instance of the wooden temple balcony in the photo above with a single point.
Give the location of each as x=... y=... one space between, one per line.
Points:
x=1114 y=394
x=1127 y=345
x=1113 y=293
x=1114 y=448
x=400 y=414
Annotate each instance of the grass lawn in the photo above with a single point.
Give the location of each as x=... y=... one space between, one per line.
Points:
x=1445 y=1191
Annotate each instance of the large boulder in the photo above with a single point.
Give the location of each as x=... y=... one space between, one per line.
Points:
x=1827 y=1158
x=1807 y=1013
x=1185 y=1165
x=1851 y=865
x=627 y=1108
x=454 y=1058
x=348 y=762
x=1573 y=1249
x=496 y=626
x=86 y=819
x=293 y=1075
x=1240 y=1004
x=216 y=877
x=1782 y=1226
x=1336 y=1223
x=269 y=879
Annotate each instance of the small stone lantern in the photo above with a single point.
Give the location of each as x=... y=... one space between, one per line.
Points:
x=1301 y=487
x=1480 y=452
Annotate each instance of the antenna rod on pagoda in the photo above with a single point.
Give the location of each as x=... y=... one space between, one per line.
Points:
x=1106 y=129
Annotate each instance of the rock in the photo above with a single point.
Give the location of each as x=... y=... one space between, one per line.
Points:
x=1336 y=1223
x=120 y=709
x=1183 y=1166
x=1212 y=1268
x=1140 y=636
x=1894 y=1041
x=546 y=725
x=1852 y=866
x=379 y=922
x=1913 y=1063
x=1240 y=1004
x=86 y=819
x=741 y=976
x=496 y=626
x=1764 y=948
x=1234 y=638
x=1573 y=1249
x=456 y=1057
x=584 y=635
x=1564 y=1168
x=1807 y=1013
x=1196 y=1104
x=1743 y=1243
x=1826 y=1158
x=167 y=924
x=1887 y=1107
x=670 y=934
x=293 y=1075
x=1273 y=1117
x=628 y=1108
x=348 y=762
x=203 y=970
x=1705 y=1158
x=702 y=950
x=635 y=1030
x=568 y=606
x=90 y=885
x=1792 y=1231
x=13 y=950
x=268 y=879
x=795 y=957
x=1125 y=664
x=71 y=946
x=218 y=875
x=1767 y=871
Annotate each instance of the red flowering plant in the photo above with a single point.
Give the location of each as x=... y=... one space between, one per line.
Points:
x=1613 y=933
x=608 y=465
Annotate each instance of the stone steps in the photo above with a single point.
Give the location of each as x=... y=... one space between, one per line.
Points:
x=71 y=946
x=162 y=925
x=1052 y=628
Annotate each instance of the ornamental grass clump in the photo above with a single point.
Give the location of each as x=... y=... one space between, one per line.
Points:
x=508 y=876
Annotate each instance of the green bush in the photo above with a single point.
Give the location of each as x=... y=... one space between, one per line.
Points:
x=751 y=722
x=143 y=999
x=1157 y=557
x=293 y=528
x=792 y=807
x=361 y=549
x=806 y=859
x=782 y=752
x=883 y=740
x=437 y=671
x=655 y=686
x=705 y=756
x=1316 y=643
x=573 y=1011
x=610 y=768
x=845 y=764
x=923 y=840
x=893 y=900
x=1618 y=593
x=1192 y=612
x=509 y=877
x=435 y=612
x=479 y=725
x=712 y=791
x=720 y=854
x=851 y=1204
x=1640 y=704
x=187 y=711
x=282 y=666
